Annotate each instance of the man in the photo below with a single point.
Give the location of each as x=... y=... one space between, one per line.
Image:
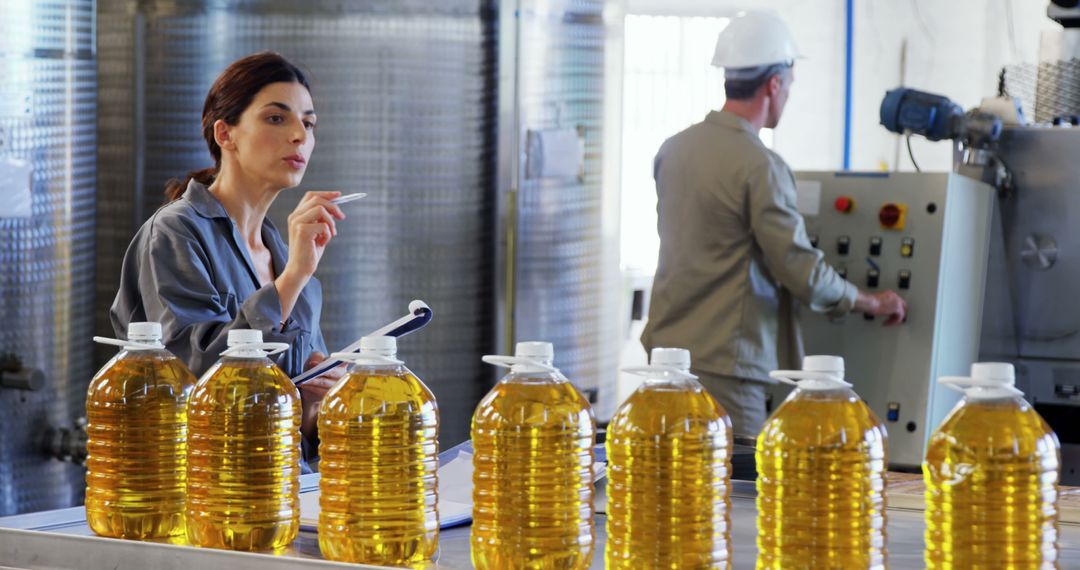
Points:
x=734 y=254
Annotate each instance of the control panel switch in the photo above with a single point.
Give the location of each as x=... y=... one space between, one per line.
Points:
x=875 y=246
x=907 y=247
x=903 y=279
x=843 y=245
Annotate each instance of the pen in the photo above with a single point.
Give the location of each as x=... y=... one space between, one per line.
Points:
x=347 y=198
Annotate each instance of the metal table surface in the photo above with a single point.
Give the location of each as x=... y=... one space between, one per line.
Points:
x=61 y=540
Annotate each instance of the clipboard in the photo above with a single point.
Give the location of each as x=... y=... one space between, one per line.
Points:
x=419 y=316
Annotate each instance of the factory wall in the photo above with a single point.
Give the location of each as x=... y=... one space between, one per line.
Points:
x=954 y=48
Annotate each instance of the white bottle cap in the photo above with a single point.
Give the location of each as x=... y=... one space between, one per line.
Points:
x=1000 y=372
x=239 y=337
x=380 y=345
x=144 y=332
x=533 y=349
x=824 y=363
x=674 y=357
x=819 y=372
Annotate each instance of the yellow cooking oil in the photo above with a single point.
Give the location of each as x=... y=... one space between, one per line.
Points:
x=532 y=437
x=136 y=440
x=991 y=473
x=821 y=460
x=244 y=451
x=669 y=472
x=379 y=428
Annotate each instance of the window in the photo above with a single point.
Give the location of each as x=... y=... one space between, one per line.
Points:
x=668 y=85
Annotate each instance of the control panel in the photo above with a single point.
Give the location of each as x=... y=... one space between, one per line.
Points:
x=925 y=236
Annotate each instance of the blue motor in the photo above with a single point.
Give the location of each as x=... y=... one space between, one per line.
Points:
x=932 y=116
x=937 y=118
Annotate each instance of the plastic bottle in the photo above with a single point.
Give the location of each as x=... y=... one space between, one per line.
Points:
x=991 y=473
x=379 y=428
x=137 y=439
x=244 y=450
x=669 y=472
x=532 y=438
x=821 y=460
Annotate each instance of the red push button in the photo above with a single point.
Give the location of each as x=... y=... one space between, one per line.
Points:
x=844 y=205
x=891 y=216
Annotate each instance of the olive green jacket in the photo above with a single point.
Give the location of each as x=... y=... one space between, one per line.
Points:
x=734 y=254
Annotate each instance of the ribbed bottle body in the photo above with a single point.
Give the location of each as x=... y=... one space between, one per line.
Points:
x=136 y=446
x=379 y=447
x=243 y=457
x=532 y=476
x=991 y=474
x=821 y=462
x=669 y=475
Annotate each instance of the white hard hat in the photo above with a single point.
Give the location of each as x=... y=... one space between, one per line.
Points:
x=754 y=39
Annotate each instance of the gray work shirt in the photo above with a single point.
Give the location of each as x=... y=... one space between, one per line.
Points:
x=733 y=253
x=189 y=269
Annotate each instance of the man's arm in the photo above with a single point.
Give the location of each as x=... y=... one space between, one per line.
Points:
x=780 y=232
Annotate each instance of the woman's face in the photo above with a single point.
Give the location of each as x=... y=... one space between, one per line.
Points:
x=274 y=138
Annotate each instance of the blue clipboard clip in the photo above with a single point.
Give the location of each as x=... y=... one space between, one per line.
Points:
x=419 y=316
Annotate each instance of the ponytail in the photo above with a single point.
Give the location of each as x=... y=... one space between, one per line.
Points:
x=174 y=188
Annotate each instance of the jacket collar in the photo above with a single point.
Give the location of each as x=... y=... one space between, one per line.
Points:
x=208 y=206
x=730 y=120
x=203 y=201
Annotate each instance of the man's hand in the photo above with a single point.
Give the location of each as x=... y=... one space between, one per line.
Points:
x=885 y=303
x=313 y=391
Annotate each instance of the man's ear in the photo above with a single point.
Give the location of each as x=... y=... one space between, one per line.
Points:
x=774 y=84
x=223 y=136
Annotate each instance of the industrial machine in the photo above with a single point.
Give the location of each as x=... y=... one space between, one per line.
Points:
x=983 y=255
x=925 y=236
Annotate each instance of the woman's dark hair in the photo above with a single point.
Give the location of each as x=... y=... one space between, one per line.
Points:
x=229 y=96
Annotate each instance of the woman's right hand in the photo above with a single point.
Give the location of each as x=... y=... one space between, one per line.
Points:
x=311 y=226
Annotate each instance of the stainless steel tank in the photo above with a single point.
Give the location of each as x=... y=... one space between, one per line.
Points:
x=562 y=294
x=403 y=90
x=47 y=100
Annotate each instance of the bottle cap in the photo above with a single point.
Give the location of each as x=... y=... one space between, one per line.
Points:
x=999 y=372
x=380 y=345
x=239 y=337
x=529 y=357
x=674 y=357
x=824 y=363
x=988 y=381
x=144 y=332
x=534 y=349
x=820 y=372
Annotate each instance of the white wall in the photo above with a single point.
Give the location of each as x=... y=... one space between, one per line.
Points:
x=954 y=47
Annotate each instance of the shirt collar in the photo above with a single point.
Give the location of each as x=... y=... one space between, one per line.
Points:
x=203 y=201
x=207 y=205
x=731 y=121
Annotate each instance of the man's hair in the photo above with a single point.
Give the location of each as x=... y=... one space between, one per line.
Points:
x=742 y=84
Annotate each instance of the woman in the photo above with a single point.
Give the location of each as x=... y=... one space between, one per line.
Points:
x=210 y=260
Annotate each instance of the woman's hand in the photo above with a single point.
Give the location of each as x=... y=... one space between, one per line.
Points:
x=313 y=391
x=311 y=226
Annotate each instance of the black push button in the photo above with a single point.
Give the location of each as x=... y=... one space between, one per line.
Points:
x=904 y=279
x=813 y=240
x=872 y=277
x=843 y=245
x=875 y=245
